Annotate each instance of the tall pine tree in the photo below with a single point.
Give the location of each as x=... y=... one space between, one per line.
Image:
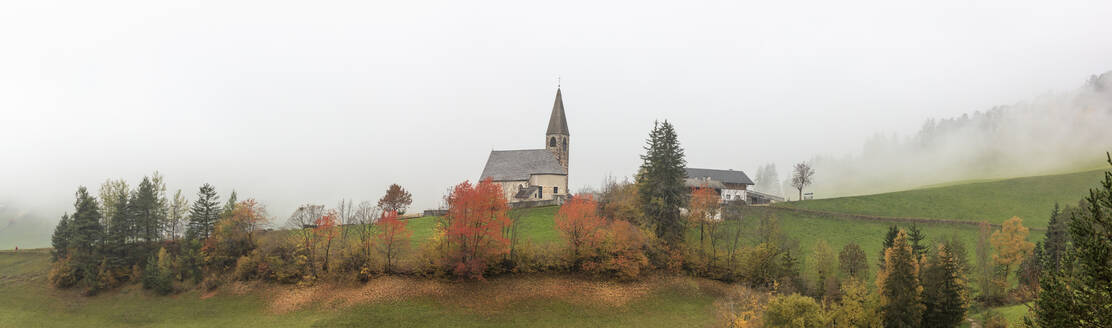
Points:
x=60 y=239
x=944 y=291
x=203 y=214
x=87 y=235
x=900 y=291
x=660 y=183
x=148 y=210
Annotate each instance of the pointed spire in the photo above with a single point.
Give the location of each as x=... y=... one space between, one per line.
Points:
x=558 y=122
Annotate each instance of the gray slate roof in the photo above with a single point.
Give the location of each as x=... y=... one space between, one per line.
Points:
x=724 y=176
x=511 y=165
x=558 y=122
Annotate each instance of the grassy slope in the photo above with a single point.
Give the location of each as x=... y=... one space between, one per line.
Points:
x=1030 y=198
x=28 y=302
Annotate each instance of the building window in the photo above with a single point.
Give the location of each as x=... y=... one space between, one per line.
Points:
x=565 y=142
x=540 y=192
x=552 y=142
x=555 y=190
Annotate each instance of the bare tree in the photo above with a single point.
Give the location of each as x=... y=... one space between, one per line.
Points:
x=364 y=219
x=802 y=176
x=302 y=222
x=346 y=216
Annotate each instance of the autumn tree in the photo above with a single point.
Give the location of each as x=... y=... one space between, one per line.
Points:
x=702 y=210
x=396 y=199
x=857 y=308
x=802 y=176
x=1011 y=244
x=393 y=237
x=900 y=290
x=477 y=217
x=235 y=232
x=660 y=183
x=580 y=225
x=791 y=311
x=852 y=261
x=324 y=231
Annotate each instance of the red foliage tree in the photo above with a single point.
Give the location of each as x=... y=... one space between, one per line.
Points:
x=393 y=237
x=580 y=225
x=475 y=235
x=326 y=231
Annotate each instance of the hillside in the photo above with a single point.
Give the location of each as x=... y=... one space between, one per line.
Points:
x=1030 y=198
x=538 y=301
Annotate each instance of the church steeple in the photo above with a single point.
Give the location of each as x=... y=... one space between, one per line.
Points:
x=556 y=138
x=558 y=123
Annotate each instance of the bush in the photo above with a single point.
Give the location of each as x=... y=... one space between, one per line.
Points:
x=794 y=311
x=63 y=274
x=994 y=319
x=621 y=254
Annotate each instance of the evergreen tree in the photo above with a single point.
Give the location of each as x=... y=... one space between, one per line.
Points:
x=149 y=211
x=60 y=239
x=660 y=183
x=204 y=213
x=889 y=239
x=1054 y=244
x=944 y=291
x=87 y=235
x=1077 y=291
x=900 y=290
x=915 y=237
x=120 y=232
x=230 y=205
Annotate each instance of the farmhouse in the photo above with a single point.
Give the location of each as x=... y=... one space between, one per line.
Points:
x=731 y=185
x=535 y=175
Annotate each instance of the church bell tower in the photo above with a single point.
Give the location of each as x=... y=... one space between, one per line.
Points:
x=556 y=139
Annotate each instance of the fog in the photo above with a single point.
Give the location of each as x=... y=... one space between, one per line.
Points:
x=293 y=103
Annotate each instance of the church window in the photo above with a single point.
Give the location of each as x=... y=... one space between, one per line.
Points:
x=552 y=142
x=555 y=190
x=565 y=142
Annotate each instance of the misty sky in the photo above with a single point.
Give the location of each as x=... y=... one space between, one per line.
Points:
x=295 y=102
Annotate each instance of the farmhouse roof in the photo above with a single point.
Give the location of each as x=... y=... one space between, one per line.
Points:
x=514 y=165
x=558 y=122
x=724 y=176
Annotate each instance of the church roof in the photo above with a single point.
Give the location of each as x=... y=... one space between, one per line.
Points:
x=558 y=122
x=513 y=165
x=724 y=176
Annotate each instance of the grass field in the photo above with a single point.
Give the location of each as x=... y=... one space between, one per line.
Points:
x=29 y=302
x=1030 y=198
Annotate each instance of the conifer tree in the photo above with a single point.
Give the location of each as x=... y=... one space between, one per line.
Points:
x=944 y=295
x=1057 y=235
x=660 y=183
x=889 y=238
x=148 y=210
x=915 y=237
x=203 y=214
x=87 y=235
x=900 y=291
x=60 y=239
x=120 y=231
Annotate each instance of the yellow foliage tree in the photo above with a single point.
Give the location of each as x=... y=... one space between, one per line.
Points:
x=1011 y=244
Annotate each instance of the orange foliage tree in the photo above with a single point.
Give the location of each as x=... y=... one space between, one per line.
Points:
x=580 y=225
x=621 y=252
x=325 y=231
x=477 y=215
x=702 y=208
x=393 y=237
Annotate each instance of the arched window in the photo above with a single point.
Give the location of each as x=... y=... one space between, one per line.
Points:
x=552 y=142
x=565 y=142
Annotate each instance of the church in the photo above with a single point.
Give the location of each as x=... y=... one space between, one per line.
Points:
x=535 y=176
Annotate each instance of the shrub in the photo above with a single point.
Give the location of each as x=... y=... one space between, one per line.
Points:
x=621 y=254
x=63 y=274
x=794 y=311
x=994 y=319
